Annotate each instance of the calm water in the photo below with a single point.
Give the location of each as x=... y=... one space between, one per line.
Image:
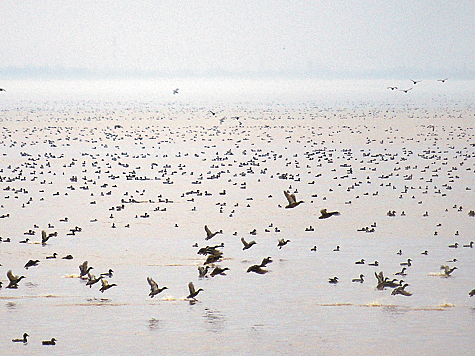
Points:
x=354 y=147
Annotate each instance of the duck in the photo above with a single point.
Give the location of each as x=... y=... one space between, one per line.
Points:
x=106 y=285
x=360 y=262
x=469 y=245
x=52 y=256
x=108 y=274
x=314 y=248
x=325 y=214
x=282 y=243
x=93 y=280
x=292 y=201
x=202 y=271
x=333 y=280
x=193 y=292
x=425 y=252
x=31 y=263
x=154 y=289
x=408 y=263
x=246 y=244
x=209 y=234
x=44 y=237
x=257 y=269
x=84 y=269
x=447 y=270
x=49 y=342
x=218 y=270
x=375 y=263
x=401 y=290
x=336 y=248
x=14 y=280
x=401 y=272
x=23 y=340
x=471 y=293
x=455 y=245
x=359 y=280
x=68 y=257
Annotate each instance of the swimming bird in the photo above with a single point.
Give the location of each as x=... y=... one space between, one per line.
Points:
x=408 y=263
x=375 y=263
x=314 y=248
x=455 y=245
x=31 y=263
x=401 y=272
x=282 y=243
x=108 y=274
x=93 y=280
x=247 y=244
x=325 y=214
x=469 y=245
x=447 y=270
x=360 y=280
x=67 y=257
x=257 y=269
x=106 y=285
x=52 y=256
x=84 y=269
x=209 y=234
x=193 y=292
x=24 y=340
x=336 y=249
x=333 y=280
x=49 y=342
x=218 y=270
x=291 y=200
x=425 y=252
x=360 y=262
x=154 y=289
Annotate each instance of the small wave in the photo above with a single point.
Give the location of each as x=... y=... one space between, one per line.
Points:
x=72 y=275
x=169 y=298
x=336 y=304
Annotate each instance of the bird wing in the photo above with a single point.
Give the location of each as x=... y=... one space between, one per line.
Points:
x=11 y=277
x=44 y=237
x=290 y=197
x=83 y=266
x=191 y=287
x=153 y=284
x=244 y=242
x=104 y=283
x=208 y=231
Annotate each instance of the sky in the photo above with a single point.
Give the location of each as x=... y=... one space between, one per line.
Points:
x=323 y=38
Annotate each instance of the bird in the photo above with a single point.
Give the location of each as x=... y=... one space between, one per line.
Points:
x=381 y=280
x=154 y=289
x=266 y=261
x=405 y=90
x=447 y=270
x=31 y=263
x=360 y=262
x=415 y=81
x=442 y=80
x=68 y=257
x=408 y=263
x=326 y=214
x=52 y=256
x=336 y=249
x=333 y=280
x=257 y=269
x=314 y=248
x=108 y=274
x=24 y=340
x=202 y=271
x=44 y=237
x=282 y=243
x=93 y=280
x=175 y=91
x=392 y=88
x=455 y=245
x=375 y=263
x=1 y=89
x=14 y=280
x=218 y=270
x=193 y=292
x=247 y=244
x=214 y=257
x=49 y=342
x=106 y=285
x=401 y=290
x=209 y=234
x=84 y=269
x=291 y=200
x=469 y=245
x=402 y=272
x=360 y=280
x=471 y=293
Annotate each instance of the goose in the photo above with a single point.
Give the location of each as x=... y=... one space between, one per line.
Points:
x=455 y=245
x=471 y=293
x=336 y=248
x=360 y=280
x=447 y=270
x=24 y=340
x=154 y=289
x=247 y=245
x=106 y=285
x=67 y=257
x=257 y=269
x=469 y=245
x=14 y=280
x=193 y=292
x=381 y=280
x=214 y=258
x=325 y=214
x=49 y=342
x=209 y=234
x=282 y=243
x=401 y=272
x=375 y=263
x=84 y=269
x=291 y=200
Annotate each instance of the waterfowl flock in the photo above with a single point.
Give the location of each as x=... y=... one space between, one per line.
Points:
x=91 y=194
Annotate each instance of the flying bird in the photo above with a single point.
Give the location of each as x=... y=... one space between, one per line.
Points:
x=447 y=270
x=247 y=244
x=405 y=90
x=209 y=234
x=14 y=280
x=442 y=80
x=84 y=269
x=31 y=263
x=282 y=243
x=415 y=81
x=154 y=289
x=193 y=292
x=292 y=200
x=176 y=91
x=326 y=214
x=106 y=285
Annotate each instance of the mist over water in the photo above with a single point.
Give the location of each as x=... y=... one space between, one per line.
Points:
x=351 y=146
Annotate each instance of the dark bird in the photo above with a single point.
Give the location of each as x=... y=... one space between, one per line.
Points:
x=360 y=280
x=31 y=263
x=471 y=293
x=202 y=271
x=442 y=80
x=24 y=340
x=257 y=269
x=106 y=285
x=84 y=269
x=67 y=257
x=455 y=245
x=325 y=214
x=44 y=237
x=212 y=113
x=176 y=91
x=401 y=290
x=266 y=261
x=375 y=263
x=93 y=280
x=282 y=243
x=381 y=280
x=214 y=257
x=52 y=256
x=14 y=280
x=247 y=244
x=154 y=289
x=405 y=90
x=209 y=234
x=49 y=342
x=193 y=292
x=218 y=270
x=1 y=89
x=108 y=274
x=392 y=88
x=447 y=270
x=469 y=245
x=333 y=280
x=401 y=272
x=408 y=263
x=360 y=262
x=291 y=200
x=415 y=81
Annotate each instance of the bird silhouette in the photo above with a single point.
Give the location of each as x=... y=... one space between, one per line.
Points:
x=193 y=292
x=291 y=200
x=154 y=289
x=106 y=285
x=247 y=244
x=326 y=214
x=209 y=234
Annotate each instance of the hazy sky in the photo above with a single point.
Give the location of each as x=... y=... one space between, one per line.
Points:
x=240 y=37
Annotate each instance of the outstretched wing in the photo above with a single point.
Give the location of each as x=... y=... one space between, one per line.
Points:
x=11 y=277
x=290 y=197
x=153 y=284
x=208 y=231
x=191 y=287
x=244 y=242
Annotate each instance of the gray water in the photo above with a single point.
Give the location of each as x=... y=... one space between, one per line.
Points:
x=265 y=138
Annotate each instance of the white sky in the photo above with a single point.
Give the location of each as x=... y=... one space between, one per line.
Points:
x=246 y=36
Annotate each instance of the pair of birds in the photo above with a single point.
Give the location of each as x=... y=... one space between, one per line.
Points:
x=292 y=203
x=44 y=342
x=155 y=289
